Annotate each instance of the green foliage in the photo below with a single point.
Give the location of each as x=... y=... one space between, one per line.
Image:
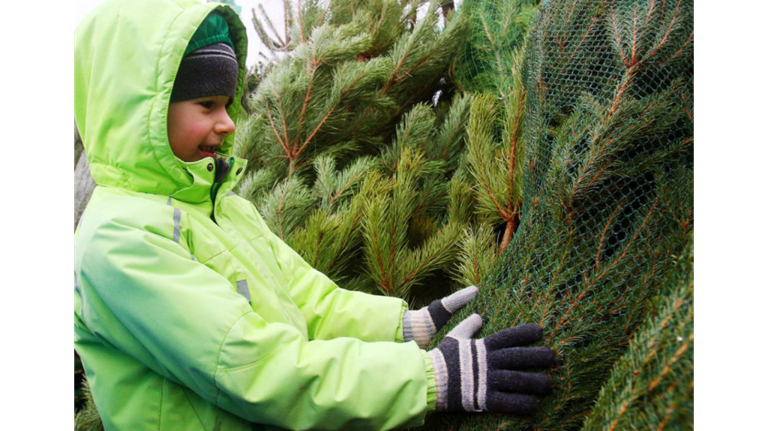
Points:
x=607 y=192
x=356 y=148
x=347 y=84
x=497 y=31
x=651 y=386
x=396 y=258
x=479 y=256
x=87 y=418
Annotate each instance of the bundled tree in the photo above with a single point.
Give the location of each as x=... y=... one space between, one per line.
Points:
x=651 y=387
x=607 y=192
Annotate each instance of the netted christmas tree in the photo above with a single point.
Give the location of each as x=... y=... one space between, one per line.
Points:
x=651 y=386
x=357 y=152
x=607 y=194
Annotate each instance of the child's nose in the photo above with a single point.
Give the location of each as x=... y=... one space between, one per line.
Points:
x=224 y=125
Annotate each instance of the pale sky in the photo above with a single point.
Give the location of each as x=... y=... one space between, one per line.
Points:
x=274 y=10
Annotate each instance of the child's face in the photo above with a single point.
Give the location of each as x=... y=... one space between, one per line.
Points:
x=197 y=127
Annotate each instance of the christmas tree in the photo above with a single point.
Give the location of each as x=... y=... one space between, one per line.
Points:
x=356 y=149
x=496 y=35
x=607 y=192
x=651 y=386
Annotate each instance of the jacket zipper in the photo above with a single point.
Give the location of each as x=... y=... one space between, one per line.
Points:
x=217 y=185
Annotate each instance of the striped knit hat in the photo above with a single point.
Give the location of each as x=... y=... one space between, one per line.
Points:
x=209 y=66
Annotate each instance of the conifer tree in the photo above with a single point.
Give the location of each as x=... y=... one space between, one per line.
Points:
x=607 y=192
x=356 y=146
x=496 y=34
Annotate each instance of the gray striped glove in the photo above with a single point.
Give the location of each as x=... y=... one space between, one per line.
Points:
x=422 y=324
x=477 y=375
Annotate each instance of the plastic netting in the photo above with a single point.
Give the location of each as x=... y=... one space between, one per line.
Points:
x=608 y=184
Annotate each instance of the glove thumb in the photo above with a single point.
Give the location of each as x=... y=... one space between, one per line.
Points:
x=467 y=328
x=459 y=299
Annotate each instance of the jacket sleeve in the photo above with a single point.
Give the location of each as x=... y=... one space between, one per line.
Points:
x=331 y=311
x=149 y=299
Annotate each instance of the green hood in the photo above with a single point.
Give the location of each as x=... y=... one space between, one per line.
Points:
x=125 y=66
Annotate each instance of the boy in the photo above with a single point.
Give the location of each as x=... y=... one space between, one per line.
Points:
x=189 y=312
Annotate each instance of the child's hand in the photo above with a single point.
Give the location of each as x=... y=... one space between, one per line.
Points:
x=422 y=324
x=482 y=374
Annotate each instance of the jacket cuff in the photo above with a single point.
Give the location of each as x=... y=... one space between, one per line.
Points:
x=431 y=385
x=399 y=331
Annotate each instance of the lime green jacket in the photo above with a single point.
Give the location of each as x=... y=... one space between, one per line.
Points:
x=189 y=313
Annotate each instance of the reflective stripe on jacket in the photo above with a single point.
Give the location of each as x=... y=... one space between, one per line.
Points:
x=186 y=323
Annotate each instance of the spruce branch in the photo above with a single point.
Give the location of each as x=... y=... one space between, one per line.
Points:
x=452 y=132
x=423 y=47
x=393 y=265
x=331 y=186
x=437 y=251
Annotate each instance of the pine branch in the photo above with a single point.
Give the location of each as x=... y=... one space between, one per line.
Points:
x=286 y=207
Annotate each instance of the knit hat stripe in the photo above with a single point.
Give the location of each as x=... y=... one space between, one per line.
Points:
x=207 y=51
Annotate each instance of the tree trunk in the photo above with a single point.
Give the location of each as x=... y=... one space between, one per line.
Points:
x=84 y=186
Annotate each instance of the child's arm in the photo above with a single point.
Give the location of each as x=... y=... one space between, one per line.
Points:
x=330 y=312
x=144 y=295
x=333 y=312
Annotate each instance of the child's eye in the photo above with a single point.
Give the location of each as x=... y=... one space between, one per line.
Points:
x=206 y=104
